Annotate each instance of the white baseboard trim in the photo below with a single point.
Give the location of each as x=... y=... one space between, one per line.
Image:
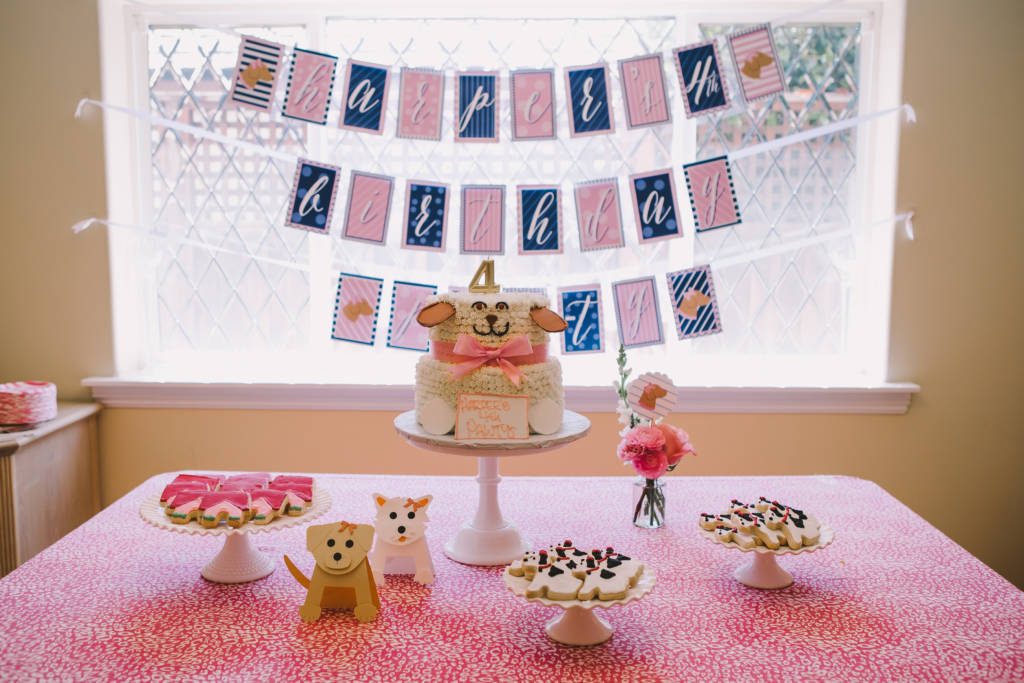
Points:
x=886 y=399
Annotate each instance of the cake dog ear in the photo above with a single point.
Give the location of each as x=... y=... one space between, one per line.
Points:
x=548 y=320
x=435 y=314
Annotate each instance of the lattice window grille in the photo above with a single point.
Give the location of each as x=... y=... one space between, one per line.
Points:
x=793 y=303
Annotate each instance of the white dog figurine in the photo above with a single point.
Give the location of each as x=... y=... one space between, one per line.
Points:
x=400 y=527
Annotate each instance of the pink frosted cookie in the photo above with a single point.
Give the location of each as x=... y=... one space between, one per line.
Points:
x=299 y=479
x=246 y=481
x=267 y=504
x=183 y=505
x=189 y=482
x=224 y=506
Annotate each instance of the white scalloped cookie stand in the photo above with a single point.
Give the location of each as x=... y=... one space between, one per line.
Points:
x=763 y=571
x=579 y=625
x=239 y=561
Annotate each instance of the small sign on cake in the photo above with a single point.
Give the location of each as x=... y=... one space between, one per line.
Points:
x=486 y=417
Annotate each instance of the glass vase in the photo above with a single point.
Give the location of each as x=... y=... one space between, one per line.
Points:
x=649 y=503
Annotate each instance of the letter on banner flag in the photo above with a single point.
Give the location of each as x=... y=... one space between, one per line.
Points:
x=365 y=97
x=599 y=215
x=312 y=199
x=581 y=309
x=310 y=82
x=426 y=216
x=255 y=77
x=483 y=219
x=369 y=202
x=694 y=304
x=636 y=310
x=540 y=219
x=654 y=205
x=533 y=104
x=476 y=106
x=589 y=105
x=757 y=62
x=403 y=330
x=355 y=308
x=700 y=78
x=420 y=99
x=643 y=88
x=712 y=196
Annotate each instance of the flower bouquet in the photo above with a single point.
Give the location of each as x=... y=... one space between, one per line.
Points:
x=652 y=449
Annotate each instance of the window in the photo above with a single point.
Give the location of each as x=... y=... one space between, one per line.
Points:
x=220 y=289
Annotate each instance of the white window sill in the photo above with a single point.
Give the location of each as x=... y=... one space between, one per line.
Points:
x=888 y=399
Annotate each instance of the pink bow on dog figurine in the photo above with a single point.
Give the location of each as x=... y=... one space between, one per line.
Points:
x=476 y=354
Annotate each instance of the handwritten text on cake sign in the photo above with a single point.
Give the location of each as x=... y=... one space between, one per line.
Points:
x=492 y=416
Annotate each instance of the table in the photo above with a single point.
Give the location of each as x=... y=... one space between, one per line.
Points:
x=891 y=599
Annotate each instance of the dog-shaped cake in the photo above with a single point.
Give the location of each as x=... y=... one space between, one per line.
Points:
x=488 y=343
x=342 y=576
x=400 y=527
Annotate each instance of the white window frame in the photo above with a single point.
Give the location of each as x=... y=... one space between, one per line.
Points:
x=127 y=148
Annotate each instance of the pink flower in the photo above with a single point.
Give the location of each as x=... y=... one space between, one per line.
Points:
x=644 y=448
x=677 y=444
x=651 y=465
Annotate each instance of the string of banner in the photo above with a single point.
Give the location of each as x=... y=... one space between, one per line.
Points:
x=712 y=197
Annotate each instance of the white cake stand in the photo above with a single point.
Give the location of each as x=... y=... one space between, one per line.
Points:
x=489 y=539
x=579 y=625
x=239 y=561
x=763 y=571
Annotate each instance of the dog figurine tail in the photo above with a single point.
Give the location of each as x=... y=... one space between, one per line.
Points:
x=299 y=576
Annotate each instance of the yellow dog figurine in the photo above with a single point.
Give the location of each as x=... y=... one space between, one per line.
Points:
x=342 y=577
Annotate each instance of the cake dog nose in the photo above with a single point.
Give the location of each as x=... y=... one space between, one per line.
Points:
x=337 y=556
x=491 y=319
x=401 y=529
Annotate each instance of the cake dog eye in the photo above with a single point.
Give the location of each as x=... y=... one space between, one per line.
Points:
x=501 y=306
x=348 y=543
x=479 y=306
x=412 y=515
x=330 y=542
x=393 y=515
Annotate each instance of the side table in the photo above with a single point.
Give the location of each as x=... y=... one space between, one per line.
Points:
x=49 y=482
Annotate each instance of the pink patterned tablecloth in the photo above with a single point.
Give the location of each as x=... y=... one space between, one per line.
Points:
x=891 y=599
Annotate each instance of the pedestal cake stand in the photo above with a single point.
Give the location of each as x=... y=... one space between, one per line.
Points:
x=579 y=625
x=238 y=561
x=489 y=539
x=763 y=571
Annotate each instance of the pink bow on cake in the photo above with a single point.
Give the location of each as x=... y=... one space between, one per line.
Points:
x=473 y=354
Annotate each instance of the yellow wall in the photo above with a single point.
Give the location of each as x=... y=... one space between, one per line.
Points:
x=956 y=329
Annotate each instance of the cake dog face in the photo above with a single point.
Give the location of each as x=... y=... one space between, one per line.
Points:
x=401 y=521
x=340 y=547
x=492 y=319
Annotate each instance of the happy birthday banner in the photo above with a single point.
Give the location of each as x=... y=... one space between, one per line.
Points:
x=540 y=225
x=312 y=83
x=635 y=301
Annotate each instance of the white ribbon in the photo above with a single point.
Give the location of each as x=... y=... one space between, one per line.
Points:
x=185 y=128
x=732 y=260
x=777 y=143
x=793 y=245
x=820 y=131
x=161 y=233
